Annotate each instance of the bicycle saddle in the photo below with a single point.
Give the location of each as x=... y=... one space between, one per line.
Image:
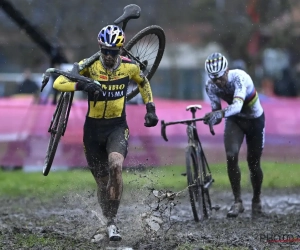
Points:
x=194 y=107
x=131 y=11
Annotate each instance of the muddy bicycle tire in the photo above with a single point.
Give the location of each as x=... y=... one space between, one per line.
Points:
x=152 y=37
x=198 y=195
x=207 y=208
x=56 y=131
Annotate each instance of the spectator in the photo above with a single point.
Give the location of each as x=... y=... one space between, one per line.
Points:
x=28 y=85
x=239 y=64
x=286 y=84
x=267 y=88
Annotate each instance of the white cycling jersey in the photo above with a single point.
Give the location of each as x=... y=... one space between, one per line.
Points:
x=239 y=93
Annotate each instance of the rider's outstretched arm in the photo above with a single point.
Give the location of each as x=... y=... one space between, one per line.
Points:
x=215 y=102
x=151 y=118
x=145 y=90
x=64 y=84
x=143 y=85
x=238 y=100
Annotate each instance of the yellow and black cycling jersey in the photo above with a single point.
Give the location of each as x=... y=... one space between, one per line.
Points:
x=111 y=103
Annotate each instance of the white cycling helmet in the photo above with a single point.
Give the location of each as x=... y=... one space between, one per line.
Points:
x=215 y=65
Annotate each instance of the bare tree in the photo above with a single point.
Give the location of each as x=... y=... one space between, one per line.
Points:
x=74 y=25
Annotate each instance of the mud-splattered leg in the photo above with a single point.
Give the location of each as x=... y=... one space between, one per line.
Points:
x=115 y=183
x=102 y=193
x=233 y=139
x=255 y=142
x=110 y=187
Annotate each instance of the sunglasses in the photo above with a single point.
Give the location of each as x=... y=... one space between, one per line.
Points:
x=217 y=77
x=111 y=52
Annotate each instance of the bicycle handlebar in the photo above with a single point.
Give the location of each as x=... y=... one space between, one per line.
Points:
x=70 y=75
x=187 y=122
x=73 y=75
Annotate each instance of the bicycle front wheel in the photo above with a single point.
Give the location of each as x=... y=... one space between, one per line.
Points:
x=198 y=196
x=206 y=182
x=57 y=129
x=147 y=47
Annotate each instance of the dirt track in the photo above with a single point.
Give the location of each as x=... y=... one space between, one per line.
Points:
x=69 y=223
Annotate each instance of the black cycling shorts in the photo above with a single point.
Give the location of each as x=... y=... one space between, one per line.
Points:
x=99 y=141
x=253 y=129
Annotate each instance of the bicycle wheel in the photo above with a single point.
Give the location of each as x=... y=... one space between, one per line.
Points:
x=194 y=188
x=59 y=121
x=206 y=179
x=198 y=195
x=148 y=47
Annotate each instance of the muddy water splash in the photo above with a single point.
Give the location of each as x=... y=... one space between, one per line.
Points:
x=69 y=222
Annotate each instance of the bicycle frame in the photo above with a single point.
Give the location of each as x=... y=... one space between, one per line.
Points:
x=193 y=138
x=199 y=176
x=60 y=100
x=194 y=141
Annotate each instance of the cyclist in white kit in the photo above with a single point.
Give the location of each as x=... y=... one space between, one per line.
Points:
x=244 y=117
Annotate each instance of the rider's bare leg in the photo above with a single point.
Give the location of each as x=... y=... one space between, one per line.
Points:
x=115 y=183
x=233 y=139
x=114 y=193
x=110 y=187
x=102 y=193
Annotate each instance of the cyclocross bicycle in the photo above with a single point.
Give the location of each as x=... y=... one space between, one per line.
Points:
x=146 y=48
x=199 y=177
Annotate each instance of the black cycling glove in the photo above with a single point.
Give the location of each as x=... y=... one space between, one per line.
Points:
x=150 y=117
x=214 y=117
x=88 y=87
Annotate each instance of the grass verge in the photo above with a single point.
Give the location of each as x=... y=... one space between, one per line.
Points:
x=32 y=184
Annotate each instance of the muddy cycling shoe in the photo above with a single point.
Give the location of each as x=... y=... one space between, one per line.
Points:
x=113 y=233
x=256 y=209
x=235 y=210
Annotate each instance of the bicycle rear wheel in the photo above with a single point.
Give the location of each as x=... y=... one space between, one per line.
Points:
x=198 y=195
x=148 y=47
x=56 y=131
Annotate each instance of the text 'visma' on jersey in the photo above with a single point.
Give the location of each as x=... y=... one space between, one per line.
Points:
x=111 y=103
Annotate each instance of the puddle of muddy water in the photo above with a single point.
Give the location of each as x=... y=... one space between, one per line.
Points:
x=74 y=219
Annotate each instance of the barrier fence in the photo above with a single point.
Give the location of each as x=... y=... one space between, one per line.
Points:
x=24 y=137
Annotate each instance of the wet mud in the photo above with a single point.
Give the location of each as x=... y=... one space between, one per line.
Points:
x=71 y=222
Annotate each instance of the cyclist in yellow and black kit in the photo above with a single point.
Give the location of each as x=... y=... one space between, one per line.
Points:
x=106 y=131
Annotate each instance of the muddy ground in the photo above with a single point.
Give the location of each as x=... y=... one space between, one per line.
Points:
x=70 y=223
